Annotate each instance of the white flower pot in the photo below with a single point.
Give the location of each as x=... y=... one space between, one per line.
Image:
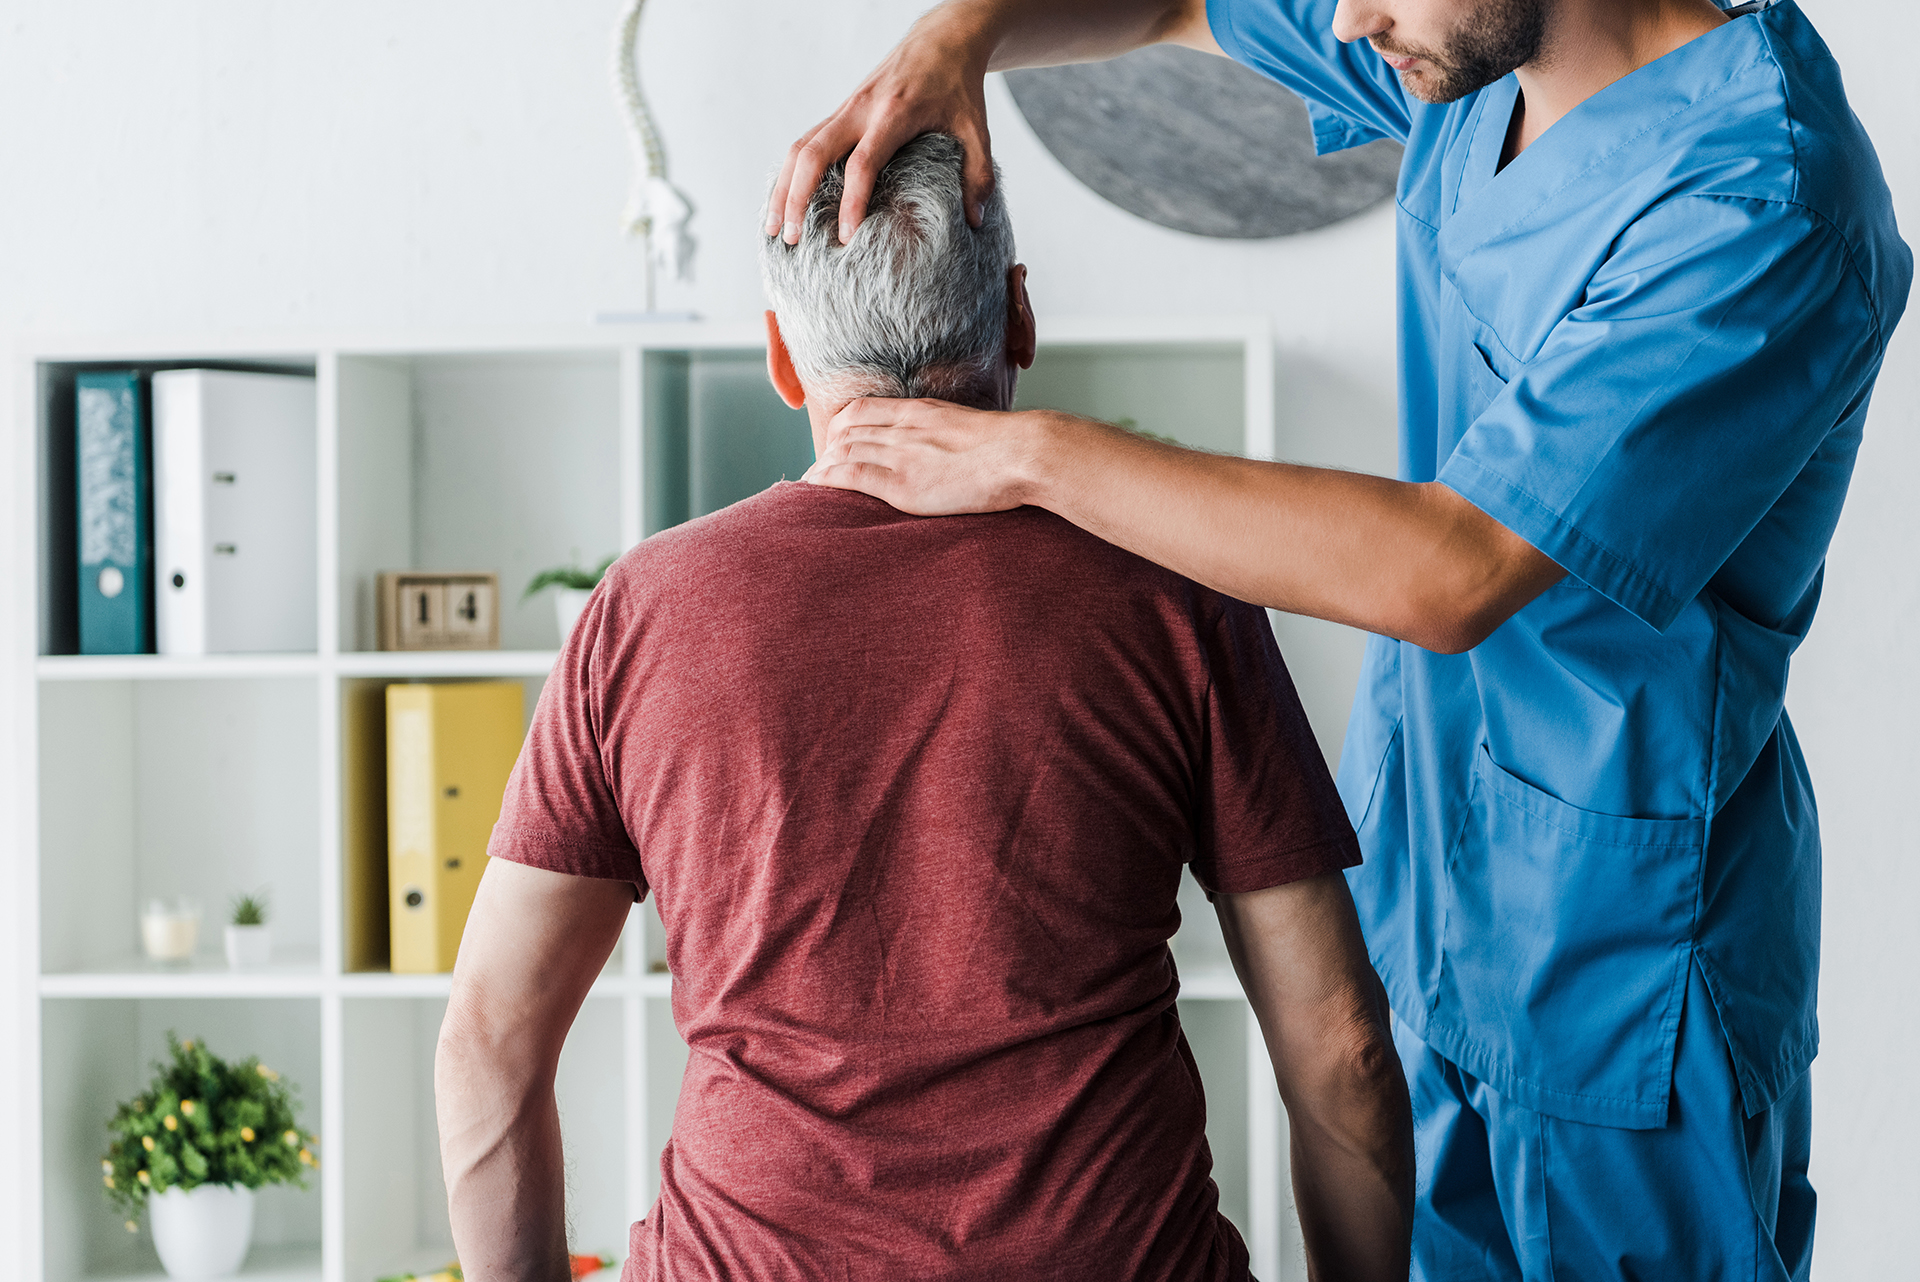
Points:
x=204 y=1233
x=567 y=604
x=249 y=947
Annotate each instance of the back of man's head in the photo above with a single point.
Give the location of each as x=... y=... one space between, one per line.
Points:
x=916 y=303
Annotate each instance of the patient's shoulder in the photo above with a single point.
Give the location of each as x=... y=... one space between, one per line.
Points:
x=778 y=520
x=799 y=543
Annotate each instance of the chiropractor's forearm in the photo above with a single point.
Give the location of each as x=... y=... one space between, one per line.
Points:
x=500 y=1151
x=1411 y=561
x=1004 y=34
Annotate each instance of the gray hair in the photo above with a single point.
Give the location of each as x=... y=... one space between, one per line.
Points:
x=916 y=303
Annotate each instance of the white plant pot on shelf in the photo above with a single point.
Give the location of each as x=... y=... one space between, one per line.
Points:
x=203 y=1233
x=567 y=605
x=249 y=947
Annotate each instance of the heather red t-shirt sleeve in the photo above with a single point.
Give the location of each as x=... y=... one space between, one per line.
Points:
x=559 y=811
x=1268 y=811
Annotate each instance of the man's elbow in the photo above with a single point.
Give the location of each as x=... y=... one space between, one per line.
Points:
x=1349 y=1074
x=477 y=1052
x=1466 y=578
x=1369 y=1061
x=1452 y=625
x=1357 y=1058
x=466 y=1047
x=1454 y=609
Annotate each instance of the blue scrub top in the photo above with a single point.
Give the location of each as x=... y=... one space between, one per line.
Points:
x=1646 y=346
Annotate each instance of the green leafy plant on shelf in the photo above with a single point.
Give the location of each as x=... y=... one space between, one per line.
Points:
x=205 y=1121
x=568 y=576
x=249 y=910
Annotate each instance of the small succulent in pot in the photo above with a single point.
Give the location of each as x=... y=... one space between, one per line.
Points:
x=249 y=939
x=568 y=576
x=575 y=586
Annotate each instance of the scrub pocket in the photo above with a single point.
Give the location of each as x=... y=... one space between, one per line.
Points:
x=1564 y=953
x=1483 y=379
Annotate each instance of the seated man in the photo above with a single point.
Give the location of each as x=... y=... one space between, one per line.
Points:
x=914 y=797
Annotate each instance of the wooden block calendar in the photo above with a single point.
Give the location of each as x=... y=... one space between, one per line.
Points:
x=429 y=610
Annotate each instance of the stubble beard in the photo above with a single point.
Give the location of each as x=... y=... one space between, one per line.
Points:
x=1500 y=36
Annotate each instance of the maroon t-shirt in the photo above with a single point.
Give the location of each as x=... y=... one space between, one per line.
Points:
x=914 y=796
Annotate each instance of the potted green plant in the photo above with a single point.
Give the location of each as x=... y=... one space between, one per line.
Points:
x=193 y=1147
x=573 y=586
x=249 y=938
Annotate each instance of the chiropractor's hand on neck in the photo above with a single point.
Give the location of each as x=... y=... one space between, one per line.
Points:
x=933 y=458
x=1413 y=561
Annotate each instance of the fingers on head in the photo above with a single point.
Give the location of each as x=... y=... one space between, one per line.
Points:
x=977 y=169
x=811 y=159
x=875 y=148
x=862 y=169
x=777 y=199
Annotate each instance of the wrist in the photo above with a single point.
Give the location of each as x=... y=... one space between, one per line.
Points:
x=1048 y=442
x=968 y=34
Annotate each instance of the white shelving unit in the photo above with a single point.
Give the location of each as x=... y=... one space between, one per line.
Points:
x=153 y=776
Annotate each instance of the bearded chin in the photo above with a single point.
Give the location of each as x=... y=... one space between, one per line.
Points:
x=1497 y=39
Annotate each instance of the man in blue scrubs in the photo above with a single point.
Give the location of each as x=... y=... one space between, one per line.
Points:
x=1647 y=269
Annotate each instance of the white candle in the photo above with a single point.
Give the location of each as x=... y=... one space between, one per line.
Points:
x=169 y=935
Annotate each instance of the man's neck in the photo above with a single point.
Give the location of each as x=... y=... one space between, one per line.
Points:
x=822 y=408
x=1588 y=45
x=820 y=412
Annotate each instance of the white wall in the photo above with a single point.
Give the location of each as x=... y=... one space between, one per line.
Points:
x=213 y=165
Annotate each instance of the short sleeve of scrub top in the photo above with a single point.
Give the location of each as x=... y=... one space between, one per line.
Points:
x=1656 y=428
x=1352 y=95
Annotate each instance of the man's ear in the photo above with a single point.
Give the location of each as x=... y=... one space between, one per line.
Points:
x=1020 y=328
x=780 y=367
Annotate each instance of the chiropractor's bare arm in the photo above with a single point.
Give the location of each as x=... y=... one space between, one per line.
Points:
x=532 y=947
x=1417 y=562
x=1300 y=957
x=934 y=80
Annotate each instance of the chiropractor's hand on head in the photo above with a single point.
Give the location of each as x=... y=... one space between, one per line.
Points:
x=933 y=80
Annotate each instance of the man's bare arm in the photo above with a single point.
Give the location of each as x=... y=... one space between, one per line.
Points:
x=934 y=80
x=1299 y=954
x=1413 y=561
x=533 y=945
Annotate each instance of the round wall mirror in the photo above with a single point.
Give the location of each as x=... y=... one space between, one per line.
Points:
x=1199 y=144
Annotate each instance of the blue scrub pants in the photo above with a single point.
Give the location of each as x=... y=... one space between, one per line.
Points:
x=1507 y=1193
